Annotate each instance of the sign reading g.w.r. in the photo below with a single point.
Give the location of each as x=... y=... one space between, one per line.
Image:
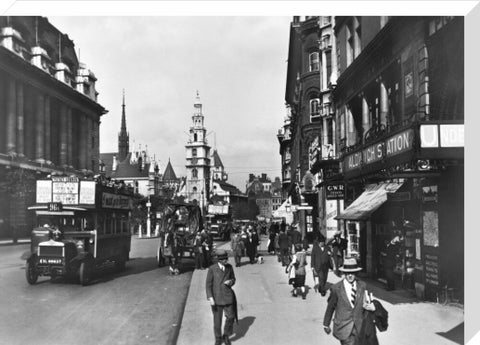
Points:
x=335 y=191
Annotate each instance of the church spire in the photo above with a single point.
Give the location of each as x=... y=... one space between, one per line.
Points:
x=124 y=121
x=123 y=137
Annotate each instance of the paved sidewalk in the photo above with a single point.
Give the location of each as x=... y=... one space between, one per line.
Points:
x=269 y=315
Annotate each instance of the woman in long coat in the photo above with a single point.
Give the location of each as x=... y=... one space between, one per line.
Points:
x=299 y=261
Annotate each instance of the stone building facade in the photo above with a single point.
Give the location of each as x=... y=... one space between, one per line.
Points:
x=49 y=115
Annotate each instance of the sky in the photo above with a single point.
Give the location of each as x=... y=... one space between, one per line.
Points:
x=237 y=63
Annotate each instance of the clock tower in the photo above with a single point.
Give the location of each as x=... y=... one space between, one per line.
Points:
x=198 y=159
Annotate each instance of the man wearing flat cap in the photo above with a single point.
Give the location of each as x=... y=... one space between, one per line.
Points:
x=219 y=282
x=347 y=300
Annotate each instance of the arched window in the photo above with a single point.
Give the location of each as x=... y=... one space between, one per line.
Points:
x=194 y=173
x=314 y=61
x=314 y=109
x=195 y=137
x=194 y=152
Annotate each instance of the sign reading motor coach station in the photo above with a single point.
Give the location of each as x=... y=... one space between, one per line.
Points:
x=392 y=146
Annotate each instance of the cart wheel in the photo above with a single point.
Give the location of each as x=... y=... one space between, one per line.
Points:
x=31 y=271
x=85 y=273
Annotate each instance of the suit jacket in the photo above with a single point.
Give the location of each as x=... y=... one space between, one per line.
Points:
x=345 y=316
x=320 y=260
x=215 y=287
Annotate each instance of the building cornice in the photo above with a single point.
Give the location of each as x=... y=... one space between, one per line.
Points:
x=18 y=68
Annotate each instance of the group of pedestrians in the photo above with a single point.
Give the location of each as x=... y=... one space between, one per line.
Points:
x=245 y=243
x=202 y=249
x=356 y=314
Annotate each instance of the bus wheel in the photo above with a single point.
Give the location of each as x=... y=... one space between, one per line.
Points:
x=31 y=271
x=85 y=273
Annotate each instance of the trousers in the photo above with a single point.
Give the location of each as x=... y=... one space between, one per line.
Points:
x=218 y=311
x=352 y=339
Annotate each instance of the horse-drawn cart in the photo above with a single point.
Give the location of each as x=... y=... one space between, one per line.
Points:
x=179 y=226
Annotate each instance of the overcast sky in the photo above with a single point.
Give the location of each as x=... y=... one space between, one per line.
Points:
x=238 y=65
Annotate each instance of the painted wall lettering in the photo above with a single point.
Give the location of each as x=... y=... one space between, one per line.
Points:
x=399 y=143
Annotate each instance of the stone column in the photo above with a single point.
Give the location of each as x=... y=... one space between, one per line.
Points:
x=424 y=95
x=69 y=138
x=20 y=120
x=40 y=130
x=96 y=149
x=11 y=136
x=82 y=142
x=48 y=139
x=324 y=137
x=383 y=103
x=334 y=55
x=89 y=143
x=350 y=128
x=63 y=135
x=324 y=71
x=365 y=117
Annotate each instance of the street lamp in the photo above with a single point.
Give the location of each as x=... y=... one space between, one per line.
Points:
x=148 y=217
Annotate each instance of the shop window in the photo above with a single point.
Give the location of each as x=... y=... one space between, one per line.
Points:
x=314 y=61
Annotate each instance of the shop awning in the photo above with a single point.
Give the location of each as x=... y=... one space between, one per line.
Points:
x=369 y=201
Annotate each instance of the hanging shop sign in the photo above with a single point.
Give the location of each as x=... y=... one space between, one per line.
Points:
x=335 y=191
x=399 y=196
x=313 y=152
x=392 y=146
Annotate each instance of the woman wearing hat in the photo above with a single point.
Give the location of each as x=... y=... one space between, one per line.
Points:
x=347 y=301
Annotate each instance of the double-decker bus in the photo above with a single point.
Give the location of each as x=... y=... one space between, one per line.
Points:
x=81 y=225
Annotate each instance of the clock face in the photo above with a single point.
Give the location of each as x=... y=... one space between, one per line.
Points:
x=194 y=161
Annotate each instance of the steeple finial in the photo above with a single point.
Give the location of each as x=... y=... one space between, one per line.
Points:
x=197 y=99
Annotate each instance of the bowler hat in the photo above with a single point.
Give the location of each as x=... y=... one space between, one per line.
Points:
x=350 y=265
x=221 y=254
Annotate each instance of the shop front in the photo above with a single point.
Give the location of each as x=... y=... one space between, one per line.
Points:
x=409 y=185
x=359 y=228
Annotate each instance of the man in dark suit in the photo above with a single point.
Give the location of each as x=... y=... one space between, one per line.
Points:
x=284 y=245
x=219 y=282
x=320 y=263
x=347 y=300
